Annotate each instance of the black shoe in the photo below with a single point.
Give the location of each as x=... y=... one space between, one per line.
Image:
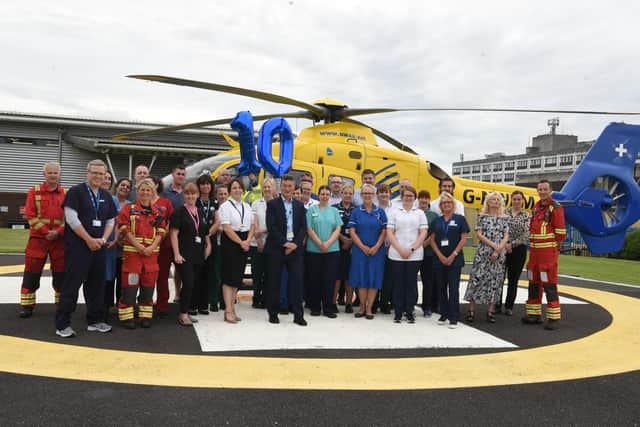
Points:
x=203 y=311
x=273 y=318
x=442 y=320
x=26 y=312
x=397 y=319
x=300 y=322
x=331 y=315
x=358 y=315
x=193 y=312
x=508 y=312
x=356 y=303
x=129 y=324
x=258 y=305
x=411 y=318
x=532 y=320
x=341 y=303
x=386 y=310
x=348 y=308
x=551 y=325
x=145 y=323
x=369 y=316
x=315 y=313
x=214 y=308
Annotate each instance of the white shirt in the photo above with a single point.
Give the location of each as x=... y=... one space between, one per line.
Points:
x=407 y=226
x=237 y=214
x=334 y=200
x=310 y=203
x=435 y=207
x=259 y=208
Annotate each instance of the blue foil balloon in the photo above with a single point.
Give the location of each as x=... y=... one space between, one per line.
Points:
x=243 y=124
x=265 y=141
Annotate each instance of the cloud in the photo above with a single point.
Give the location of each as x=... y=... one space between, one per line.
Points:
x=70 y=58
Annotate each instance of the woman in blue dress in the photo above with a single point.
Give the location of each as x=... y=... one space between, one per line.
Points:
x=367 y=227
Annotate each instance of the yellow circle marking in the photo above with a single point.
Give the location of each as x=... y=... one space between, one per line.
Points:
x=612 y=350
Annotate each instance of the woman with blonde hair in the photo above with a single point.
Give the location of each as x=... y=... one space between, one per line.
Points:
x=449 y=233
x=487 y=272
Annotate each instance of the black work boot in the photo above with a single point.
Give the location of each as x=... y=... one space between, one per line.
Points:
x=531 y=320
x=552 y=325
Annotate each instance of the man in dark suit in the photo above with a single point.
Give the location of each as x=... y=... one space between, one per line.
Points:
x=287 y=227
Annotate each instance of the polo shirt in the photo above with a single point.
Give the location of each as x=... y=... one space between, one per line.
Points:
x=407 y=225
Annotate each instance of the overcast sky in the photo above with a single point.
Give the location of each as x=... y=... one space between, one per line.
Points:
x=70 y=57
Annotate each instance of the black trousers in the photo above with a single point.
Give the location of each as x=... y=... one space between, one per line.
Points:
x=201 y=286
x=514 y=263
x=405 y=285
x=190 y=274
x=293 y=262
x=87 y=269
x=322 y=270
x=429 y=289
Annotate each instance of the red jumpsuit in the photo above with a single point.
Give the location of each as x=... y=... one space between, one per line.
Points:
x=138 y=270
x=547 y=231
x=44 y=212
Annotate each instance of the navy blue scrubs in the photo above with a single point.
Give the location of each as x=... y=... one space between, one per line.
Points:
x=447 y=278
x=82 y=266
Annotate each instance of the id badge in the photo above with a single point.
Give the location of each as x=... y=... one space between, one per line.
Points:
x=198 y=239
x=289 y=235
x=444 y=243
x=96 y=223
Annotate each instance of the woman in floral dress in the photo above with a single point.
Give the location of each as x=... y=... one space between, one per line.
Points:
x=487 y=273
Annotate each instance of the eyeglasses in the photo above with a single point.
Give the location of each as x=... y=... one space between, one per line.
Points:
x=367 y=194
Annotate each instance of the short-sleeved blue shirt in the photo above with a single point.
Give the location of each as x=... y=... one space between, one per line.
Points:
x=451 y=231
x=80 y=200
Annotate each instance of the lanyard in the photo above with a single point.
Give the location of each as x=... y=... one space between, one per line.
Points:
x=206 y=208
x=95 y=202
x=238 y=210
x=445 y=226
x=195 y=218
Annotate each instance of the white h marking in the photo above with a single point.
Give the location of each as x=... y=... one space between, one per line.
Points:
x=620 y=150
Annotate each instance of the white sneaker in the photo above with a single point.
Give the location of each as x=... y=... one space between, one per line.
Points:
x=99 y=327
x=66 y=332
x=453 y=325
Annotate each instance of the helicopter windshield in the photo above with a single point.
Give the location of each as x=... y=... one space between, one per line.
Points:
x=201 y=167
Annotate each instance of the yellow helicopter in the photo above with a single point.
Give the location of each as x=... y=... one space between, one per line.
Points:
x=345 y=147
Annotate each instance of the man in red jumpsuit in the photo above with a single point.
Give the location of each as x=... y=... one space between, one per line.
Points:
x=46 y=223
x=143 y=227
x=547 y=231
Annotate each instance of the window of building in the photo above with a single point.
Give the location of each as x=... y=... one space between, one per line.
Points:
x=551 y=161
x=475 y=169
x=509 y=176
x=466 y=169
x=508 y=166
x=497 y=167
x=535 y=163
x=566 y=160
x=486 y=178
x=456 y=171
x=476 y=177
x=497 y=178
x=522 y=164
x=579 y=158
x=486 y=168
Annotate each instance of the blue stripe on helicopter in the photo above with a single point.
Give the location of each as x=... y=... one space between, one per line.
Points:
x=386 y=178
x=385 y=168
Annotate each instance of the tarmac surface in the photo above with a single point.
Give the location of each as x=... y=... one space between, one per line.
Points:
x=55 y=399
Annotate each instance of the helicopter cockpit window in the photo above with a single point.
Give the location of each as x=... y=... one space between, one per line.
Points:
x=345 y=180
x=297 y=174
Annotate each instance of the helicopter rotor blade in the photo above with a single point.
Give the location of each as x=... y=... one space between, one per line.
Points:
x=349 y=112
x=384 y=136
x=196 y=125
x=317 y=111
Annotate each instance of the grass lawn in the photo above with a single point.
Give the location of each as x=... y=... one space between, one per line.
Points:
x=607 y=269
x=13 y=241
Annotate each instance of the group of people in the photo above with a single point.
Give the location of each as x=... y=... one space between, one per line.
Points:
x=348 y=246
